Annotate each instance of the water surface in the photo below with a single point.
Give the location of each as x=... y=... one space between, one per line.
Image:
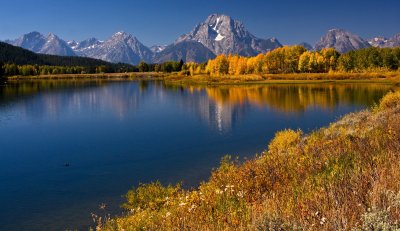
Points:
x=116 y=134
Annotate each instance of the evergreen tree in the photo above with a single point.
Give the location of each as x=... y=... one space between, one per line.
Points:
x=143 y=67
x=181 y=63
x=1 y=70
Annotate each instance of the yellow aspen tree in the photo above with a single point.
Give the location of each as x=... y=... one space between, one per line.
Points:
x=242 y=66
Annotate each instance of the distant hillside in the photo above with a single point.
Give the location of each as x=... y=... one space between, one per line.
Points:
x=20 y=56
x=188 y=51
x=342 y=40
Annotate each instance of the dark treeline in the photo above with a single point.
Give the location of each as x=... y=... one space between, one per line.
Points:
x=12 y=69
x=167 y=67
x=370 y=59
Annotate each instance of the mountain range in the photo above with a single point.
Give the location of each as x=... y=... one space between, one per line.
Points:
x=385 y=42
x=38 y=43
x=218 y=34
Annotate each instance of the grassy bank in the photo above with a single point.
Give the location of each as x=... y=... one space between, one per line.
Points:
x=342 y=177
x=373 y=77
x=178 y=78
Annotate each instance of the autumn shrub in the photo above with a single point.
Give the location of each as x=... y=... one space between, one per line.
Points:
x=284 y=140
x=391 y=100
x=151 y=196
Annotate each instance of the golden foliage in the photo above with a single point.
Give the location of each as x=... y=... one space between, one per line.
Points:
x=391 y=100
x=287 y=59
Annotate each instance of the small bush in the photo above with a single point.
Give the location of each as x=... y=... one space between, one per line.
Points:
x=150 y=196
x=284 y=140
x=391 y=100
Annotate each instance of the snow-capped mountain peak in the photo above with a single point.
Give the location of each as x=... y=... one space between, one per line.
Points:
x=120 y=33
x=224 y=35
x=50 y=44
x=123 y=35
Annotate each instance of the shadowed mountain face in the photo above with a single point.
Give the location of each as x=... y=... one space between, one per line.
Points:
x=50 y=44
x=343 y=41
x=86 y=44
x=188 y=51
x=307 y=46
x=394 y=41
x=224 y=35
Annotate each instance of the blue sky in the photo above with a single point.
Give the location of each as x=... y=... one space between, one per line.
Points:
x=162 y=21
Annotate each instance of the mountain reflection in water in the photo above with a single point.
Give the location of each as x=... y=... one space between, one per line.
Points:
x=219 y=106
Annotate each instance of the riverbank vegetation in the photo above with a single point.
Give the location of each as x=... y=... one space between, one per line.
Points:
x=341 y=177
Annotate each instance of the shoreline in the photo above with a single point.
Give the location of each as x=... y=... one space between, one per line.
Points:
x=176 y=78
x=297 y=78
x=129 y=75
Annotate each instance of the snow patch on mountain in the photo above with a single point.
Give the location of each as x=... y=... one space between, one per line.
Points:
x=385 y=42
x=219 y=37
x=216 y=24
x=157 y=48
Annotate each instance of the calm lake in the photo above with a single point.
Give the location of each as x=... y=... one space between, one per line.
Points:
x=116 y=134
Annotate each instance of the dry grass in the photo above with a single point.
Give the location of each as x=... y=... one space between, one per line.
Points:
x=390 y=77
x=203 y=79
x=335 y=76
x=342 y=177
